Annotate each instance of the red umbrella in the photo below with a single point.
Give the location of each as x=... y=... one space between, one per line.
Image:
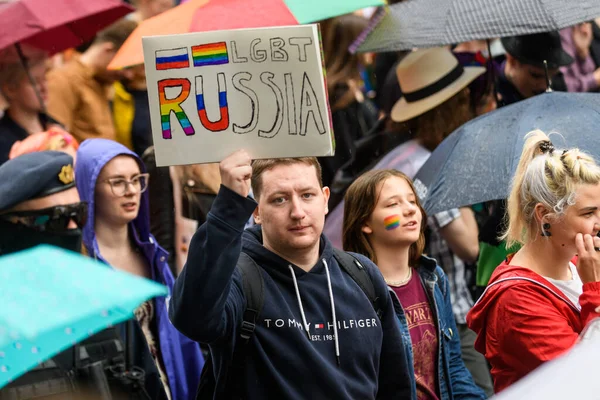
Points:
x=56 y=25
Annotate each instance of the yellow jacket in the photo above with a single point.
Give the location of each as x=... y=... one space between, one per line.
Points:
x=123 y=111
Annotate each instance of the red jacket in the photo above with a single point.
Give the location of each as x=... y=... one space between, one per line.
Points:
x=523 y=320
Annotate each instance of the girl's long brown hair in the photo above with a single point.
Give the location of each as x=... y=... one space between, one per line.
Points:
x=360 y=201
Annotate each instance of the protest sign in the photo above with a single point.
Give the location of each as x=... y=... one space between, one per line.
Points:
x=262 y=90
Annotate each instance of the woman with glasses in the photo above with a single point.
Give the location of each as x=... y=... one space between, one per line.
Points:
x=112 y=179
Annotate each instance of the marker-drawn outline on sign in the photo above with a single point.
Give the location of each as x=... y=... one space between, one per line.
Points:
x=223 y=122
x=278 y=52
x=235 y=58
x=290 y=97
x=167 y=106
x=267 y=78
x=262 y=53
x=309 y=98
x=238 y=85
x=176 y=58
x=210 y=54
x=295 y=41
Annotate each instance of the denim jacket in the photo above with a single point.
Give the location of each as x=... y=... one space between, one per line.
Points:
x=455 y=381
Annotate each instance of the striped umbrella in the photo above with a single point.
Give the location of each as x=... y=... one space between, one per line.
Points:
x=431 y=23
x=210 y=15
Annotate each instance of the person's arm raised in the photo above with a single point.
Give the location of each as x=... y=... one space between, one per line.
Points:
x=207 y=299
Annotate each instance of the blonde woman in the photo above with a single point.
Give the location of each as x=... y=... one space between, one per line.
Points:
x=539 y=300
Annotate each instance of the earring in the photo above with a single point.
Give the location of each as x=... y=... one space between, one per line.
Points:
x=546 y=230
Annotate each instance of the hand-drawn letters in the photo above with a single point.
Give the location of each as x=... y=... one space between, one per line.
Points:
x=255 y=83
x=308 y=105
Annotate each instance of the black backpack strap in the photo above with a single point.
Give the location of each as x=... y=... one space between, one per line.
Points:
x=254 y=292
x=359 y=274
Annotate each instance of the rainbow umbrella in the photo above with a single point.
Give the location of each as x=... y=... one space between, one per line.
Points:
x=52 y=298
x=205 y=15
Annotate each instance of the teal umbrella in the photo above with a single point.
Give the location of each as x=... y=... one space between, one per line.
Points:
x=52 y=299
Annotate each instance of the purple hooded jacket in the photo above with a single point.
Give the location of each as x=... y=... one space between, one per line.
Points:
x=181 y=356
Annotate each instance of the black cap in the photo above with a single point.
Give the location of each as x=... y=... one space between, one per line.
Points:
x=34 y=175
x=534 y=49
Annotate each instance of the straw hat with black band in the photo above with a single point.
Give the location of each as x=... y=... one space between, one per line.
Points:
x=429 y=77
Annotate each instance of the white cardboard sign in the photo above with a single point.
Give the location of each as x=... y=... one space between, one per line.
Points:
x=262 y=90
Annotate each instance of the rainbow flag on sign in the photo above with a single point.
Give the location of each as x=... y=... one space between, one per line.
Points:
x=172 y=59
x=210 y=54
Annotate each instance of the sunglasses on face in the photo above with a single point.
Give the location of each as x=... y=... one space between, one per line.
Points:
x=51 y=219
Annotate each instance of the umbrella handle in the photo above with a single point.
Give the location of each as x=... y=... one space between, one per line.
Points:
x=492 y=70
x=30 y=77
x=548 y=81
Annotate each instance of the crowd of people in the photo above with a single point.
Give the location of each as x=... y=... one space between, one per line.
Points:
x=308 y=278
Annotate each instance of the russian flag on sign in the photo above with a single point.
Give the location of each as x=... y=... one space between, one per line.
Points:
x=319 y=326
x=172 y=59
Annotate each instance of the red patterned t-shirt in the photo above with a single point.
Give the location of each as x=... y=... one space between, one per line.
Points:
x=423 y=334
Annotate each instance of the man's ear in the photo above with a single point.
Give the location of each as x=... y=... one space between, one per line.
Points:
x=256 y=215
x=107 y=51
x=108 y=47
x=326 y=194
x=9 y=90
x=510 y=60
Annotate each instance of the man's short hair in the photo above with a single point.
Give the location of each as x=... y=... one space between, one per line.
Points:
x=260 y=166
x=117 y=33
x=11 y=66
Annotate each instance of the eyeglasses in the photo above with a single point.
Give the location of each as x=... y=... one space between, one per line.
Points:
x=119 y=186
x=51 y=219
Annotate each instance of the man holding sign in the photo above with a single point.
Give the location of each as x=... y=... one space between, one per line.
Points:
x=320 y=326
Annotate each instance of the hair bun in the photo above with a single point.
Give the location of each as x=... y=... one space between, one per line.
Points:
x=546 y=146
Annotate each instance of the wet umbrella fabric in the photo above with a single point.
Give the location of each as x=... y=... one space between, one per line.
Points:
x=52 y=299
x=56 y=25
x=477 y=161
x=431 y=23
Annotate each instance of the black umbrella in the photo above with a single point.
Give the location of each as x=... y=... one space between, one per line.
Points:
x=431 y=23
x=477 y=161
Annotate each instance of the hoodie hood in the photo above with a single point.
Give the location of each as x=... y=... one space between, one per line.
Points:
x=92 y=156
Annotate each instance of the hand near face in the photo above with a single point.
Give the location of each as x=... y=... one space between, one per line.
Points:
x=588 y=262
x=582 y=38
x=236 y=171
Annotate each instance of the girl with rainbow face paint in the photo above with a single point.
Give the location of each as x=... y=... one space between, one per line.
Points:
x=384 y=220
x=383 y=215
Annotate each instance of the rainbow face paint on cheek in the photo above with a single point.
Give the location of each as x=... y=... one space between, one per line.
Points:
x=391 y=222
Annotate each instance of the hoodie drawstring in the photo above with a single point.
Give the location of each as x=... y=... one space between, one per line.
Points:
x=335 y=331
x=300 y=302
